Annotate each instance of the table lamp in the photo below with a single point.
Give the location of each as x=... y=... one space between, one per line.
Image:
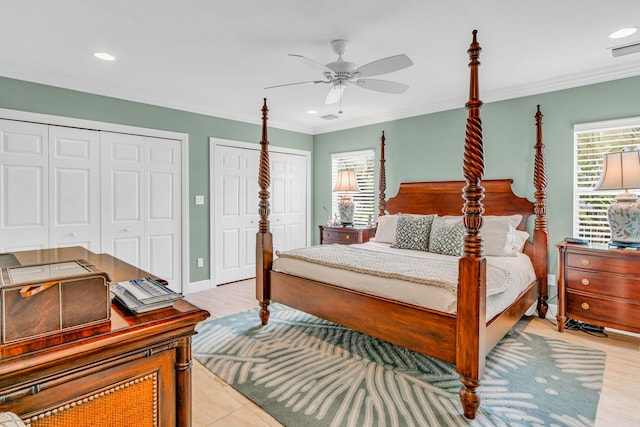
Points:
x=622 y=171
x=347 y=184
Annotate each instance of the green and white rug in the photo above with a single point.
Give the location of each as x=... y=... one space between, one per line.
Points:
x=305 y=371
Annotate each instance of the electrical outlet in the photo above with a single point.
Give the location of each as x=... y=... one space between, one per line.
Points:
x=551 y=280
x=200 y=262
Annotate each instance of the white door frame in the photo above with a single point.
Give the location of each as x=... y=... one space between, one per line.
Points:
x=49 y=119
x=213 y=144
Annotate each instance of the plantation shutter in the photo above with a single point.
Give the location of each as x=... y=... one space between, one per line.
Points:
x=592 y=141
x=362 y=163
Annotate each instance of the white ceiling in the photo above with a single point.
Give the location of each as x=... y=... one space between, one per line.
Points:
x=216 y=57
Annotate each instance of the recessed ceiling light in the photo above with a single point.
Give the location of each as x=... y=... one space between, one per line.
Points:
x=624 y=32
x=104 y=56
x=312 y=112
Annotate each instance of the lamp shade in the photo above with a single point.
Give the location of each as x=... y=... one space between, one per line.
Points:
x=621 y=171
x=346 y=182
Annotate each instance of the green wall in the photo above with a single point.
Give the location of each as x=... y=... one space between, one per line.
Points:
x=427 y=147
x=430 y=147
x=25 y=96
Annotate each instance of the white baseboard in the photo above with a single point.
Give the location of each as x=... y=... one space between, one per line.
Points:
x=202 y=285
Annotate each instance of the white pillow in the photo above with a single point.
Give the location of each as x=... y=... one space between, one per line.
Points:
x=520 y=238
x=386 y=230
x=498 y=233
x=498 y=236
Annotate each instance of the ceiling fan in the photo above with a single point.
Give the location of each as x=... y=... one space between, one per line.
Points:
x=340 y=73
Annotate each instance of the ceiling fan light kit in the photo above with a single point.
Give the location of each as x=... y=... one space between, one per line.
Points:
x=341 y=73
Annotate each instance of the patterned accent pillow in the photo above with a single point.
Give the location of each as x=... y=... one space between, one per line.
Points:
x=412 y=232
x=447 y=238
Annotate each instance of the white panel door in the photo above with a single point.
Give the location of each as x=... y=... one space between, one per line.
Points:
x=24 y=210
x=163 y=236
x=123 y=197
x=289 y=200
x=236 y=213
x=74 y=187
x=142 y=203
x=235 y=218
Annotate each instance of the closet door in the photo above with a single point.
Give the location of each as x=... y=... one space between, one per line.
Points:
x=289 y=200
x=142 y=203
x=123 y=201
x=163 y=199
x=235 y=210
x=74 y=187
x=236 y=213
x=24 y=203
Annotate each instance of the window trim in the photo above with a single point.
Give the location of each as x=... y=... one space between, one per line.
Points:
x=367 y=154
x=581 y=128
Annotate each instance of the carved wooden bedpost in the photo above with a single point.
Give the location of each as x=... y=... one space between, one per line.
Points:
x=264 y=240
x=471 y=322
x=382 y=180
x=540 y=233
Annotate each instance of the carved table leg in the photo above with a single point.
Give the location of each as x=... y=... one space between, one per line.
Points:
x=183 y=382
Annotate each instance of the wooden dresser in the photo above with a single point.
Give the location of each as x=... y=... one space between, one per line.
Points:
x=345 y=235
x=599 y=285
x=137 y=373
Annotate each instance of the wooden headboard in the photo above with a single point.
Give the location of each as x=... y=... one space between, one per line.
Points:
x=445 y=198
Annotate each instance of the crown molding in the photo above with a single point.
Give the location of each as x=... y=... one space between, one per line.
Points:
x=613 y=72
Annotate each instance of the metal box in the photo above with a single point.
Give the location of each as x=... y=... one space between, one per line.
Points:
x=47 y=299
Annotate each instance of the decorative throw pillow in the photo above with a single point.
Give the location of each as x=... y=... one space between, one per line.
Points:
x=447 y=237
x=412 y=232
x=386 y=229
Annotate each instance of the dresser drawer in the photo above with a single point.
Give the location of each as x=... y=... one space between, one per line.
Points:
x=338 y=236
x=345 y=235
x=603 y=284
x=617 y=264
x=606 y=312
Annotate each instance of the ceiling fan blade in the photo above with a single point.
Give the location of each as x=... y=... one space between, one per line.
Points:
x=313 y=64
x=298 y=83
x=382 y=86
x=384 y=66
x=334 y=94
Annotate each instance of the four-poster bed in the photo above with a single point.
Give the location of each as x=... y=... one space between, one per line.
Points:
x=464 y=336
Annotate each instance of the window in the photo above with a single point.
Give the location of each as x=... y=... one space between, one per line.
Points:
x=592 y=141
x=362 y=163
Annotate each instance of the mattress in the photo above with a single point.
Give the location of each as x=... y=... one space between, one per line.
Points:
x=519 y=267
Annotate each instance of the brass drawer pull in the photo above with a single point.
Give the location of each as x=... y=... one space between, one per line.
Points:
x=585 y=282
x=585 y=306
x=585 y=261
x=347 y=237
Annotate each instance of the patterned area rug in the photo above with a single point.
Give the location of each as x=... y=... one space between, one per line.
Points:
x=305 y=371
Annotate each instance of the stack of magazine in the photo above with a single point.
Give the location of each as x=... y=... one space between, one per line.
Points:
x=144 y=294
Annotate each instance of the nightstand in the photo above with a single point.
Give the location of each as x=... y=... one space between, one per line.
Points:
x=345 y=235
x=599 y=285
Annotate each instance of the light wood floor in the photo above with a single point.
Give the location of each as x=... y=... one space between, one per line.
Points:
x=215 y=404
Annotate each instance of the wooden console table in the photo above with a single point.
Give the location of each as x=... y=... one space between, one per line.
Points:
x=137 y=373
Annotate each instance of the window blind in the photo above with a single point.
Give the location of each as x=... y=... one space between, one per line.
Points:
x=592 y=141
x=362 y=163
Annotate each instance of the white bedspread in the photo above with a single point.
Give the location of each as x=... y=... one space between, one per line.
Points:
x=517 y=273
